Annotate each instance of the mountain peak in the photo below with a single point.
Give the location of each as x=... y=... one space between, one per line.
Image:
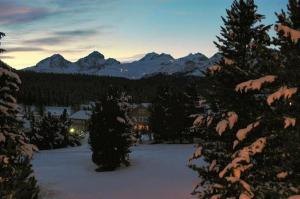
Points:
x=96 y=54
x=56 y=56
x=55 y=60
x=195 y=57
x=155 y=56
x=111 y=61
x=95 y=60
x=216 y=57
x=151 y=64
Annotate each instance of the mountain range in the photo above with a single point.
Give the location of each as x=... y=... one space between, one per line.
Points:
x=151 y=64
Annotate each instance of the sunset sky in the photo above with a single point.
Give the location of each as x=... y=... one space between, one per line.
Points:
x=122 y=29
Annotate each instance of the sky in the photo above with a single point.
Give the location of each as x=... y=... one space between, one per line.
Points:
x=121 y=29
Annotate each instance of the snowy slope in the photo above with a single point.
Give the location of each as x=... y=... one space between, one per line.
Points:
x=157 y=172
x=151 y=64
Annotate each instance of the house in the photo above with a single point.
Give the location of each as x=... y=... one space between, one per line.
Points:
x=79 y=122
x=89 y=106
x=140 y=115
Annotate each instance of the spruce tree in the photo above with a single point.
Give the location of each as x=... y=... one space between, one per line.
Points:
x=52 y=133
x=158 y=119
x=235 y=109
x=277 y=174
x=16 y=178
x=170 y=119
x=176 y=116
x=110 y=132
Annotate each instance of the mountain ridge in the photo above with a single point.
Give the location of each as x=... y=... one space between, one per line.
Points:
x=152 y=63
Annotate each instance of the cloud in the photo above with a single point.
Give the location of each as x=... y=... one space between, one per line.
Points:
x=53 y=40
x=73 y=2
x=6 y=57
x=65 y=36
x=76 y=32
x=13 y=13
x=132 y=58
x=88 y=32
x=23 y=49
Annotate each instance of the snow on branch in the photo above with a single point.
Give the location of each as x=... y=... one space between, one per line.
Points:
x=255 y=84
x=227 y=123
x=294 y=197
x=222 y=126
x=242 y=133
x=199 y=121
x=197 y=154
x=287 y=31
x=27 y=149
x=243 y=156
x=212 y=165
x=289 y=122
x=241 y=163
x=228 y=61
x=285 y=92
x=217 y=196
x=121 y=120
x=10 y=74
x=246 y=195
x=282 y=175
x=209 y=120
x=4 y=159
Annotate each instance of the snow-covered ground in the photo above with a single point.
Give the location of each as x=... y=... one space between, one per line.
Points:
x=157 y=172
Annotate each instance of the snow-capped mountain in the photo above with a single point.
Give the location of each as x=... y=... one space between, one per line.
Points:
x=54 y=63
x=95 y=60
x=151 y=64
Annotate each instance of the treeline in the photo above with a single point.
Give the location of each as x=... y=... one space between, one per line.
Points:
x=74 y=89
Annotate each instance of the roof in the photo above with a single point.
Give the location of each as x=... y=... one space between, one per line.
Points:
x=56 y=110
x=145 y=105
x=81 y=115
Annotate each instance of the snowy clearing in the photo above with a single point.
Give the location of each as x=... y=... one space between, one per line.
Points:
x=156 y=172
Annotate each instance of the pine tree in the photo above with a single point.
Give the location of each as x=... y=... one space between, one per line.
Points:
x=52 y=133
x=176 y=117
x=193 y=108
x=110 y=132
x=158 y=119
x=170 y=114
x=16 y=179
x=278 y=172
x=237 y=106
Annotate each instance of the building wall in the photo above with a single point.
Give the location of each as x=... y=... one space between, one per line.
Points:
x=140 y=116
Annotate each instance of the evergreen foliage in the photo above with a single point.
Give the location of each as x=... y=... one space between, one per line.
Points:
x=74 y=89
x=111 y=131
x=170 y=114
x=52 y=133
x=16 y=179
x=236 y=130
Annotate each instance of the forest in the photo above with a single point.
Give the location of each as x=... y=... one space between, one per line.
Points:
x=75 y=89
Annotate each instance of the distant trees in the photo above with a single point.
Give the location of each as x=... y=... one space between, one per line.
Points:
x=52 y=133
x=70 y=89
x=16 y=178
x=110 y=131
